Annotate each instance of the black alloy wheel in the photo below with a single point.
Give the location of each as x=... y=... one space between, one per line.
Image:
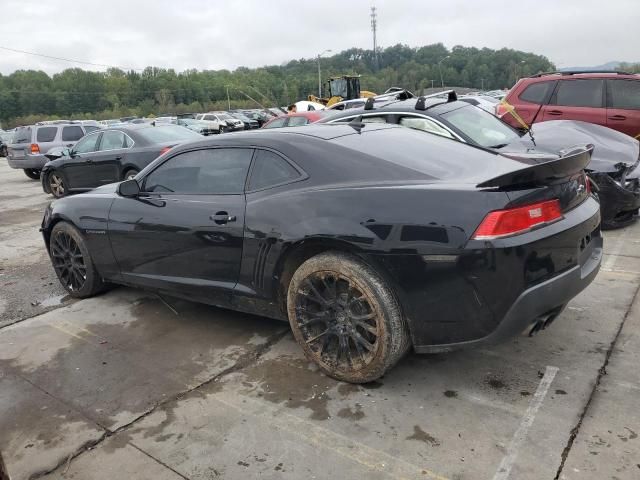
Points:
x=345 y=318
x=68 y=262
x=72 y=262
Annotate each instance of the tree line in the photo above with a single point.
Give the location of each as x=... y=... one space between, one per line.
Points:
x=27 y=96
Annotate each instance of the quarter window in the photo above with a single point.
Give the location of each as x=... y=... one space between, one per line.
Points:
x=297 y=121
x=270 y=169
x=46 y=134
x=625 y=94
x=112 y=140
x=211 y=171
x=536 y=92
x=579 y=93
x=87 y=144
x=72 y=133
x=276 y=123
x=424 y=124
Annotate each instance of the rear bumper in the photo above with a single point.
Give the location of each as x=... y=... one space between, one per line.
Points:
x=29 y=161
x=537 y=303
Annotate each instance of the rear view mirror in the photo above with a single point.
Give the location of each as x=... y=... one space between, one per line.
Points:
x=129 y=188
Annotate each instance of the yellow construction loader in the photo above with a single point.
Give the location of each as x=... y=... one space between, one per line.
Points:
x=344 y=87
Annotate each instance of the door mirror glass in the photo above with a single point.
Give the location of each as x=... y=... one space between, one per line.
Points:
x=129 y=188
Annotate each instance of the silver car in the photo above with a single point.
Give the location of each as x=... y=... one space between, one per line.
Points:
x=30 y=144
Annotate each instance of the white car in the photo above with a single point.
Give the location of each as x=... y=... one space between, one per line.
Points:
x=306 y=106
x=485 y=102
x=226 y=123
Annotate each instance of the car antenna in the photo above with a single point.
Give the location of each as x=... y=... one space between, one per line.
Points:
x=357 y=124
x=529 y=130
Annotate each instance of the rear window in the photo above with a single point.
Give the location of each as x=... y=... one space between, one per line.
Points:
x=482 y=127
x=72 y=133
x=579 y=93
x=46 y=134
x=168 y=133
x=536 y=92
x=23 y=135
x=625 y=94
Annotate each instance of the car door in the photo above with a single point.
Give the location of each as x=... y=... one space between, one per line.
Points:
x=623 y=106
x=77 y=169
x=184 y=232
x=108 y=158
x=577 y=99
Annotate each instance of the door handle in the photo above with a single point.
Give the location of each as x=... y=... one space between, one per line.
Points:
x=118 y=158
x=222 y=218
x=617 y=117
x=555 y=112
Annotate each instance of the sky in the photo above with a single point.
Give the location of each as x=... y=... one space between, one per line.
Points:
x=226 y=34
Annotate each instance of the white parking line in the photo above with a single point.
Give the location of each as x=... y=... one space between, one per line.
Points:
x=504 y=470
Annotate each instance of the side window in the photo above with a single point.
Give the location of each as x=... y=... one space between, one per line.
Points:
x=209 y=117
x=91 y=128
x=270 y=169
x=579 y=93
x=87 y=144
x=277 y=123
x=381 y=119
x=212 y=171
x=46 y=134
x=112 y=140
x=624 y=94
x=128 y=143
x=426 y=125
x=536 y=92
x=72 y=133
x=298 y=121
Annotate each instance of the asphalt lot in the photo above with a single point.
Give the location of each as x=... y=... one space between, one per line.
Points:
x=130 y=385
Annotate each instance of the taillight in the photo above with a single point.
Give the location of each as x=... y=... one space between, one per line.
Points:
x=164 y=150
x=35 y=148
x=513 y=221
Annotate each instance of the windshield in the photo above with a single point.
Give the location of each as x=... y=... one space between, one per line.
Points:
x=167 y=134
x=481 y=127
x=188 y=121
x=224 y=116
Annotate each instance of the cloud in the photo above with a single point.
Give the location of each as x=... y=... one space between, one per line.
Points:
x=228 y=34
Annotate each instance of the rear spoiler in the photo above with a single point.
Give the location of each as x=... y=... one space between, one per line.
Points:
x=547 y=168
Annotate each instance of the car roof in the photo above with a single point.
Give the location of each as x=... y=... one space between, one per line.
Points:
x=583 y=74
x=434 y=104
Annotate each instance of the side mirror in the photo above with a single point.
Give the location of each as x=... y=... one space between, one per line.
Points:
x=129 y=188
x=72 y=153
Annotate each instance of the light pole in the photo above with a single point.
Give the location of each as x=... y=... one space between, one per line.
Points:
x=431 y=84
x=482 y=81
x=319 y=75
x=440 y=69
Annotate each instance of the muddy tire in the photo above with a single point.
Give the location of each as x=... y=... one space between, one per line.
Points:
x=32 y=173
x=346 y=318
x=72 y=262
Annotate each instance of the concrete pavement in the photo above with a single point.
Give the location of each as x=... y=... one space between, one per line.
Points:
x=131 y=385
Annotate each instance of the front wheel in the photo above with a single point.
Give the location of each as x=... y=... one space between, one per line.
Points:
x=32 y=173
x=72 y=262
x=56 y=185
x=130 y=174
x=345 y=317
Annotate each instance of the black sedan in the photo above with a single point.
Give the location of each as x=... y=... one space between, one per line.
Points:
x=613 y=167
x=109 y=155
x=368 y=239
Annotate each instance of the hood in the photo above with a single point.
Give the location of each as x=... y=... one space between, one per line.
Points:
x=614 y=152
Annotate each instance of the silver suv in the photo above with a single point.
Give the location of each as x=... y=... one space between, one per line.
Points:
x=30 y=144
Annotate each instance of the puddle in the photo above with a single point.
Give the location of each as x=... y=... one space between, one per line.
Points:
x=54 y=301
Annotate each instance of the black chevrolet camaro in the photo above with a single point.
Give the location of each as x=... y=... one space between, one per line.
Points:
x=107 y=156
x=369 y=239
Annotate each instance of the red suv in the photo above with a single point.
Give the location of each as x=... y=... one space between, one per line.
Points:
x=610 y=98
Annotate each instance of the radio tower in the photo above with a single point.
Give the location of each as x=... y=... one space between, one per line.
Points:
x=374 y=27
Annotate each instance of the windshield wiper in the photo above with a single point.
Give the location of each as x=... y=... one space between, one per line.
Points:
x=498 y=146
